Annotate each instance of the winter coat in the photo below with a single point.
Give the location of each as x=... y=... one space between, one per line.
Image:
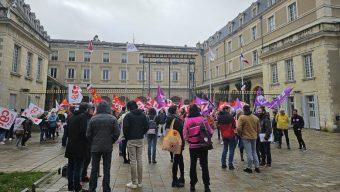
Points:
x=77 y=142
x=161 y=118
x=226 y=123
x=178 y=125
x=297 y=122
x=135 y=125
x=265 y=126
x=282 y=121
x=52 y=120
x=103 y=129
x=248 y=126
x=191 y=131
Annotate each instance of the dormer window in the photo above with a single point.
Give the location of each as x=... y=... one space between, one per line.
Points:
x=231 y=27
x=271 y=2
x=241 y=19
x=255 y=10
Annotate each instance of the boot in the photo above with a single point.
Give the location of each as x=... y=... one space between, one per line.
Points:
x=192 y=188
x=181 y=180
x=207 y=188
x=242 y=157
x=288 y=146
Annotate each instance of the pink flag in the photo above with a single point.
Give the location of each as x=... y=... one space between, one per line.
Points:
x=90 y=46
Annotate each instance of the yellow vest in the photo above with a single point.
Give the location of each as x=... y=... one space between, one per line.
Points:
x=282 y=121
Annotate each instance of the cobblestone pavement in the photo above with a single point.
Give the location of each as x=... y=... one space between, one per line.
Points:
x=317 y=169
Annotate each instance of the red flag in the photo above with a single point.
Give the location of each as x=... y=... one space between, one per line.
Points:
x=140 y=103
x=90 y=46
x=117 y=103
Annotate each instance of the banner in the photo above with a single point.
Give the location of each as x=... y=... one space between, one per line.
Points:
x=18 y=122
x=117 y=103
x=32 y=111
x=140 y=103
x=161 y=100
x=7 y=118
x=74 y=94
x=262 y=101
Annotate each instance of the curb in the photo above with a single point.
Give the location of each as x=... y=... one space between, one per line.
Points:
x=25 y=190
x=37 y=183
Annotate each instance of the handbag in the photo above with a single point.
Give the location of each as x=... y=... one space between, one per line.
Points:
x=172 y=141
x=206 y=142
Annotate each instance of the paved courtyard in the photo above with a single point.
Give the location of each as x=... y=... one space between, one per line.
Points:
x=317 y=169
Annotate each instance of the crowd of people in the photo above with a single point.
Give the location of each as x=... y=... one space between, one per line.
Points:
x=91 y=131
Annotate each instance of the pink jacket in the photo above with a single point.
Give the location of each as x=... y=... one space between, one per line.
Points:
x=191 y=131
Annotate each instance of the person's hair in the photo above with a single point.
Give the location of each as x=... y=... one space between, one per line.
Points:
x=123 y=109
x=226 y=108
x=263 y=109
x=194 y=111
x=172 y=109
x=131 y=105
x=246 y=110
x=152 y=111
x=295 y=110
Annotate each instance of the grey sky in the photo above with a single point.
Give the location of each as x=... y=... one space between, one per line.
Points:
x=165 y=22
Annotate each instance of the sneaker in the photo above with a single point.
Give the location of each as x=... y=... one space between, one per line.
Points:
x=262 y=163
x=224 y=166
x=140 y=185
x=154 y=162
x=221 y=142
x=149 y=162
x=131 y=185
x=171 y=160
x=192 y=188
x=288 y=147
x=207 y=189
x=10 y=139
x=2 y=143
x=231 y=167
x=257 y=170
x=269 y=165
x=247 y=170
x=305 y=149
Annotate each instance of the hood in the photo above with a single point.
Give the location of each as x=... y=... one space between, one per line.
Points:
x=265 y=116
x=103 y=107
x=136 y=112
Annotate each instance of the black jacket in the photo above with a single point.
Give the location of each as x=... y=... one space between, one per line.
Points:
x=103 y=129
x=265 y=126
x=77 y=142
x=297 y=122
x=178 y=125
x=135 y=125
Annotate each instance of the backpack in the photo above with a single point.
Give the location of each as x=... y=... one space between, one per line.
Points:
x=206 y=142
x=152 y=127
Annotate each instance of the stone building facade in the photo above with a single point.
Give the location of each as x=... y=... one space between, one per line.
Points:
x=24 y=53
x=287 y=43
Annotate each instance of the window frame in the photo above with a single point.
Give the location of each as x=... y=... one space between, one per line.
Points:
x=86 y=76
x=87 y=56
x=173 y=75
x=254 y=36
x=16 y=59
x=274 y=73
x=108 y=59
x=158 y=74
x=39 y=68
x=74 y=58
x=54 y=71
x=29 y=65
x=121 y=75
x=103 y=75
x=124 y=58
x=289 y=66
x=310 y=66
x=271 y=27
x=55 y=57
x=255 y=59
x=295 y=16
x=68 y=73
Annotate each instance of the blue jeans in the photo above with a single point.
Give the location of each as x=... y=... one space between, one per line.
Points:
x=250 y=147
x=2 y=134
x=231 y=143
x=152 y=143
x=74 y=169
x=43 y=132
x=96 y=156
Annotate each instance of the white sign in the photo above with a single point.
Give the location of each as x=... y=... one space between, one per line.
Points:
x=74 y=94
x=7 y=118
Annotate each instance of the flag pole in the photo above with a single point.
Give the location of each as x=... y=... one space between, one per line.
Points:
x=126 y=68
x=242 y=80
x=209 y=77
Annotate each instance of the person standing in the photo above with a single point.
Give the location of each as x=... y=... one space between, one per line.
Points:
x=248 y=128
x=102 y=132
x=135 y=125
x=162 y=120
x=152 y=135
x=52 y=123
x=239 y=142
x=226 y=124
x=298 y=123
x=266 y=158
x=123 y=140
x=276 y=133
x=191 y=132
x=43 y=127
x=178 y=158
x=282 y=127
x=28 y=130
x=75 y=150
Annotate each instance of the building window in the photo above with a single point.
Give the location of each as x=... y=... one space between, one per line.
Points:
x=70 y=73
x=106 y=57
x=37 y=100
x=141 y=59
x=71 y=56
x=141 y=76
x=86 y=74
x=105 y=74
x=87 y=56
x=231 y=66
x=54 y=55
x=231 y=27
x=290 y=70
x=271 y=2
x=216 y=53
x=308 y=64
x=123 y=75
x=241 y=42
x=254 y=11
x=29 y=101
x=241 y=21
x=255 y=58
x=158 y=75
x=275 y=78
x=16 y=59
x=253 y=33
x=124 y=58
x=292 y=12
x=174 y=76
x=271 y=24
x=29 y=64
x=12 y=101
x=39 y=67
x=204 y=75
x=53 y=72
x=229 y=46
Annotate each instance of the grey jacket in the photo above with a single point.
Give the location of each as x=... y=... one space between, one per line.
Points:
x=102 y=130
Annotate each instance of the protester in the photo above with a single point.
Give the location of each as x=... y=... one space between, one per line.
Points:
x=191 y=134
x=239 y=142
x=282 y=126
x=135 y=125
x=298 y=123
x=65 y=135
x=183 y=114
x=162 y=119
x=10 y=132
x=152 y=135
x=178 y=158
x=2 y=136
x=276 y=133
x=248 y=128
x=266 y=158
x=226 y=124
x=102 y=132
x=87 y=115
x=52 y=123
x=27 y=131
x=123 y=140
x=76 y=147
x=43 y=127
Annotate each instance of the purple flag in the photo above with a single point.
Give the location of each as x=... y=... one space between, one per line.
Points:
x=200 y=101
x=238 y=104
x=262 y=101
x=161 y=100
